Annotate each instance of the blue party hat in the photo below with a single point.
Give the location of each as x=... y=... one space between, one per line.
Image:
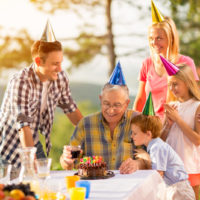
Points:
x=117 y=77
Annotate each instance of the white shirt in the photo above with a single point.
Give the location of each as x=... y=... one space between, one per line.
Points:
x=188 y=151
x=44 y=96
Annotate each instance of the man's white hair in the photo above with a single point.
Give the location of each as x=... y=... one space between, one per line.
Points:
x=110 y=87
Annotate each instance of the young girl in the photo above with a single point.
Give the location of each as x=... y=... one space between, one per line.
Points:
x=181 y=128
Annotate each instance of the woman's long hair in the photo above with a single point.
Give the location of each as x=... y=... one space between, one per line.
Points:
x=169 y=27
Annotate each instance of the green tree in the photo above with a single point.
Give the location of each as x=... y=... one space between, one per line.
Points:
x=186 y=15
x=90 y=44
x=15 y=51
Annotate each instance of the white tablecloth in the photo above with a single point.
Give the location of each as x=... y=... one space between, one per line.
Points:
x=141 y=185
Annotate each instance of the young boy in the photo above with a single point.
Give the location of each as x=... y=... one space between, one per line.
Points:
x=146 y=131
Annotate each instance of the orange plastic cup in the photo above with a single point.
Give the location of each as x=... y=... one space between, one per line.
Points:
x=70 y=181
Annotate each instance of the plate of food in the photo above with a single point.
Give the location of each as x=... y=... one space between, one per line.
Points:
x=108 y=174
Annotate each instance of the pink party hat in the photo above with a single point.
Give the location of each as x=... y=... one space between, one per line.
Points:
x=170 y=67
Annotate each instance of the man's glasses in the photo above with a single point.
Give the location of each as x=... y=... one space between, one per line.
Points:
x=116 y=106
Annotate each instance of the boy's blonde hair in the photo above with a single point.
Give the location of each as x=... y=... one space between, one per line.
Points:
x=186 y=74
x=169 y=27
x=148 y=123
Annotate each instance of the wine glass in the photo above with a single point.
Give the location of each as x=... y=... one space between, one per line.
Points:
x=75 y=151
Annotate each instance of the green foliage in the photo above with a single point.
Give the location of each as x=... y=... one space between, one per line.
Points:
x=51 y=6
x=88 y=47
x=88 y=44
x=62 y=131
x=186 y=15
x=15 y=50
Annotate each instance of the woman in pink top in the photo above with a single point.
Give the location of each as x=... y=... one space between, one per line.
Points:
x=163 y=40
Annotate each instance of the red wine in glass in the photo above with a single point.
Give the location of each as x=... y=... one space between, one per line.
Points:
x=75 y=153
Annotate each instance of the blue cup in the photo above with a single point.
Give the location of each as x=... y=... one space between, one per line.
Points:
x=85 y=184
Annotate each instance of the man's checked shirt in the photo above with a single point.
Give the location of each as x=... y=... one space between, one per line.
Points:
x=93 y=134
x=21 y=107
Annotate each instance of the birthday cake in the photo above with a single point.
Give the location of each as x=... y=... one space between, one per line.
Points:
x=92 y=167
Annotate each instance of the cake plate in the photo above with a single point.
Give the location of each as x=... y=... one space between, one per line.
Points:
x=109 y=174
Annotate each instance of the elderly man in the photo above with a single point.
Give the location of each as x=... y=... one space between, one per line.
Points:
x=31 y=98
x=106 y=133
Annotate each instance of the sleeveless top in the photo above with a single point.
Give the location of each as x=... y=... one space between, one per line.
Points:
x=188 y=151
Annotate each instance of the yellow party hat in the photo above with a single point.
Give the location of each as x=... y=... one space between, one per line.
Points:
x=156 y=15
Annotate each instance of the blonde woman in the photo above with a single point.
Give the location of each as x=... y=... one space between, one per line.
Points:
x=163 y=40
x=182 y=129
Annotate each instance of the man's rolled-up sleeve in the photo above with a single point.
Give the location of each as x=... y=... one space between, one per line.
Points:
x=21 y=104
x=66 y=102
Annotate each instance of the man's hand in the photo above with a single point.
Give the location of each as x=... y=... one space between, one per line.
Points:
x=129 y=166
x=66 y=159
